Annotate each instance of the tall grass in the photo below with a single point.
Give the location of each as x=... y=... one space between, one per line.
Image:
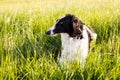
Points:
x=26 y=53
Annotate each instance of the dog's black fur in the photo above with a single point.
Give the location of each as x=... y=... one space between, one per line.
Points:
x=69 y=24
x=76 y=29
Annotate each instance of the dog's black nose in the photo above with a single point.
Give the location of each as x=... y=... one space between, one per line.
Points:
x=48 y=32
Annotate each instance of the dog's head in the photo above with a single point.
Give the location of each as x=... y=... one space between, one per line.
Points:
x=67 y=24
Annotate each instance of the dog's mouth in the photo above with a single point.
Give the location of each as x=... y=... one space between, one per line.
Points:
x=50 y=32
x=74 y=35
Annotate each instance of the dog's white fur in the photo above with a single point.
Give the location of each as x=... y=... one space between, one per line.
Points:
x=75 y=49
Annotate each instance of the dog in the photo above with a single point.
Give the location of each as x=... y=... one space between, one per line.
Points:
x=75 y=36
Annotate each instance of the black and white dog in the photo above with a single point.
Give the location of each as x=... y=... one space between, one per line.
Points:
x=75 y=36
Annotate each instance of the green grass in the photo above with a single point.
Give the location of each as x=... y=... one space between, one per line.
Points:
x=26 y=53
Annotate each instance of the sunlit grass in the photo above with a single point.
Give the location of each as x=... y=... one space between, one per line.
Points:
x=27 y=53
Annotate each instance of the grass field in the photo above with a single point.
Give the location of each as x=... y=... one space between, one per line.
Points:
x=26 y=53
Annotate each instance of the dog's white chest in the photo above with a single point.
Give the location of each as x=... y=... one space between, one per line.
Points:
x=73 y=48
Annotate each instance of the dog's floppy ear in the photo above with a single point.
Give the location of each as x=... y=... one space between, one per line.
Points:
x=91 y=34
x=77 y=26
x=76 y=22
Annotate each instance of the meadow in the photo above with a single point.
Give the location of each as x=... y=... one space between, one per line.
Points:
x=26 y=53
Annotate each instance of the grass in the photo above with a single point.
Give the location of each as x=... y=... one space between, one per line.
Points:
x=26 y=53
